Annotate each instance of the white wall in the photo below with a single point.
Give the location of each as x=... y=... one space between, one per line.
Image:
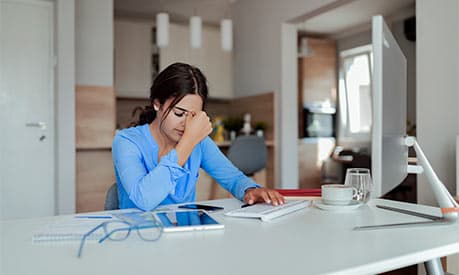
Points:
x=257 y=42
x=437 y=51
x=437 y=94
x=286 y=150
x=65 y=107
x=354 y=40
x=94 y=42
x=257 y=68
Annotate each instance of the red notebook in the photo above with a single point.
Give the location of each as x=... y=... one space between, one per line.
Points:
x=300 y=192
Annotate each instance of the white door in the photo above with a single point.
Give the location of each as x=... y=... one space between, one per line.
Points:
x=26 y=109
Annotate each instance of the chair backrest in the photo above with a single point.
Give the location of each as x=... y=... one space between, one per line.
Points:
x=111 y=198
x=249 y=154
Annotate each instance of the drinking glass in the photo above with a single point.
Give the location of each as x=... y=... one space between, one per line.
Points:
x=360 y=179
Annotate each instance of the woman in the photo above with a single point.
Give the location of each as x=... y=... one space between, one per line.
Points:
x=157 y=161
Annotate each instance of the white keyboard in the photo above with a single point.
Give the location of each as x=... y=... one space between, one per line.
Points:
x=267 y=212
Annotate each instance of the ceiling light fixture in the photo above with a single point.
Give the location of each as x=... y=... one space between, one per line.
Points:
x=195 y=32
x=162 y=29
x=226 y=32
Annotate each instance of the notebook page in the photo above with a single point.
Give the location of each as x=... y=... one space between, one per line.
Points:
x=68 y=229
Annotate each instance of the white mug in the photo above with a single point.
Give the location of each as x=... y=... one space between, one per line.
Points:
x=337 y=194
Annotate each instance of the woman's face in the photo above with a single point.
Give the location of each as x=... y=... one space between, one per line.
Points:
x=173 y=125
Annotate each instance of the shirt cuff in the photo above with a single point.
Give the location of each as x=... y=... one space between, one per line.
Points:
x=176 y=171
x=252 y=184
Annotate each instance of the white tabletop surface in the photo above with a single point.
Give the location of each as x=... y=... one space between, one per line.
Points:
x=310 y=241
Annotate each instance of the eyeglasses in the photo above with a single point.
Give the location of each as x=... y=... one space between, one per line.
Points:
x=148 y=230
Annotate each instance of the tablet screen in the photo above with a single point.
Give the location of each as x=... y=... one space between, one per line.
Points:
x=187 y=220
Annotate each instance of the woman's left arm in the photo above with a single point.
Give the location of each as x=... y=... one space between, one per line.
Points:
x=217 y=165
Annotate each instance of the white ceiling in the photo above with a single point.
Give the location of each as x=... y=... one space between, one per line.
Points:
x=352 y=14
x=355 y=15
x=211 y=11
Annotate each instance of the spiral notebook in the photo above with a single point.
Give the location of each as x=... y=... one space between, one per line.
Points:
x=68 y=230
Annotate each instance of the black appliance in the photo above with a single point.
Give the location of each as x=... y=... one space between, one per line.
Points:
x=319 y=120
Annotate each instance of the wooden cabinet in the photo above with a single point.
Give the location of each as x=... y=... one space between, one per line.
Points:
x=95 y=128
x=317 y=75
x=95 y=175
x=95 y=117
x=317 y=71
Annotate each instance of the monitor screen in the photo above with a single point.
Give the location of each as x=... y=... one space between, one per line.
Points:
x=389 y=154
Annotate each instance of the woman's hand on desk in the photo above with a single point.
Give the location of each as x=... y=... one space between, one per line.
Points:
x=253 y=195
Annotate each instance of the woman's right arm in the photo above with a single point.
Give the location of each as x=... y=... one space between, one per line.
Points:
x=147 y=189
x=197 y=127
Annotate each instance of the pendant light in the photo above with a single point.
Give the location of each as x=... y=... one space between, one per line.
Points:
x=195 y=32
x=162 y=29
x=226 y=32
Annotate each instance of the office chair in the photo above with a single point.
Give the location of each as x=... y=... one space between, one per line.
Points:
x=249 y=154
x=111 y=198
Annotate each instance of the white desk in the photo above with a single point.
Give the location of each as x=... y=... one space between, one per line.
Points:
x=310 y=241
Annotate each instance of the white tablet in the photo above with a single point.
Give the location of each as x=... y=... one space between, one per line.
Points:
x=188 y=220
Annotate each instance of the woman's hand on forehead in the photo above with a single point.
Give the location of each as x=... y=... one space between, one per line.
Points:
x=186 y=111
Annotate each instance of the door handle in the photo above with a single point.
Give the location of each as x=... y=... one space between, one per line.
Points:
x=40 y=124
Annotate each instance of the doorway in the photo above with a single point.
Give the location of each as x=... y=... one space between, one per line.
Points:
x=345 y=28
x=27 y=109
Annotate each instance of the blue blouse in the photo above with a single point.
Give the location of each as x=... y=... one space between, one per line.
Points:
x=145 y=183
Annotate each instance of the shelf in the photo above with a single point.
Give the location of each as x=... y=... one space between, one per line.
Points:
x=209 y=99
x=128 y=98
x=227 y=143
x=92 y=149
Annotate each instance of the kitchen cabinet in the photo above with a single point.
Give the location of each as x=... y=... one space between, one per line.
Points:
x=317 y=76
x=133 y=58
x=215 y=63
x=134 y=50
x=317 y=71
x=95 y=127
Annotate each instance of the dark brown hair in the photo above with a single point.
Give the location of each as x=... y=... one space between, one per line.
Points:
x=176 y=81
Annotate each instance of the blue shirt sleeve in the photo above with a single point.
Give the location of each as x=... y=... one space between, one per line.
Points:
x=146 y=189
x=222 y=170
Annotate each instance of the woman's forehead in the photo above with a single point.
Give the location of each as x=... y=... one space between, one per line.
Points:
x=189 y=102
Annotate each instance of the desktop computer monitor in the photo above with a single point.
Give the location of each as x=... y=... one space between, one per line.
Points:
x=389 y=153
x=389 y=146
x=389 y=149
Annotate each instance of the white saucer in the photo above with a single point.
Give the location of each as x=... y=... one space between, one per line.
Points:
x=353 y=205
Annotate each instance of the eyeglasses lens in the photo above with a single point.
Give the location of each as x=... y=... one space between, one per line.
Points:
x=119 y=230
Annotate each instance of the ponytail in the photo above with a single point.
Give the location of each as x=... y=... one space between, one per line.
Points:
x=147 y=115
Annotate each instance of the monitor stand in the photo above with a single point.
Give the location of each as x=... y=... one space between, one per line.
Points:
x=448 y=206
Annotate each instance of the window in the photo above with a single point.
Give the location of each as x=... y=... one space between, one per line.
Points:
x=355 y=93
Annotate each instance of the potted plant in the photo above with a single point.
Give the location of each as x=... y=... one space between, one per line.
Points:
x=233 y=125
x=260 y=127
